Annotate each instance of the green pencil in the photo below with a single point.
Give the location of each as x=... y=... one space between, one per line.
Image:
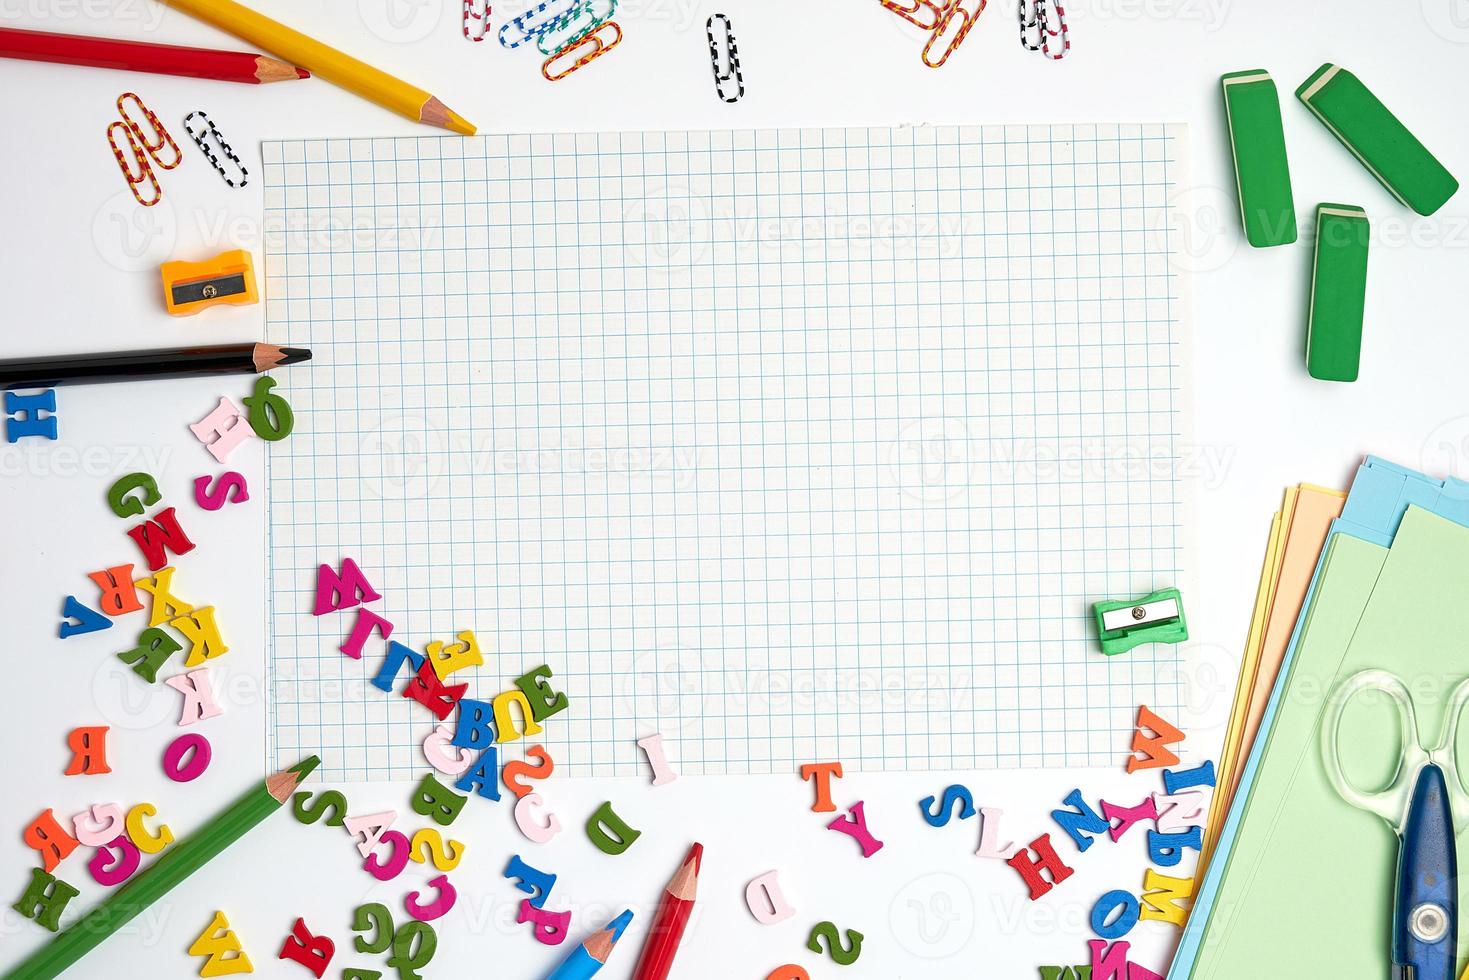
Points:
x=176 y=864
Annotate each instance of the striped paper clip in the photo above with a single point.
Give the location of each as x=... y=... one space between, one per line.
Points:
x=201 y=140
x=140 y=161
x=1030 y=13
x=545 y=16
x=145 y=149
x=582 y=20
x=479 y=18
x=1035 y=16
x=952 y=29
x=161 y=134
x=925 y=14
x=597 y=47
x=1062 y=32
x=732 y=72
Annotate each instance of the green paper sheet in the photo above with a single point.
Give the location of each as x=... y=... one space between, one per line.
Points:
x=1308 y=887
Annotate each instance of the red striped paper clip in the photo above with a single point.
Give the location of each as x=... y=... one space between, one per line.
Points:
x=1061 y=31
x=146 y=150
x=924 y=14
x=593 y=41
x=952 y=29
x=144 y=170
x=160 y=137
x=476 y=20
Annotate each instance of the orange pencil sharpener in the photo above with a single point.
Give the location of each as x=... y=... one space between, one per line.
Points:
x=189 y=287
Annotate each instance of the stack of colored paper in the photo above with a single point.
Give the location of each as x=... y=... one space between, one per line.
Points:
x=1299 y=883
x=1297 y=536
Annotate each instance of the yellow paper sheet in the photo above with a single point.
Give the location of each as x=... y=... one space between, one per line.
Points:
x=1316 y=508
x=1305 y=521
x=1256 y=636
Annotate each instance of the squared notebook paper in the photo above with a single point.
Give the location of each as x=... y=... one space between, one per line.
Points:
x=789 y=444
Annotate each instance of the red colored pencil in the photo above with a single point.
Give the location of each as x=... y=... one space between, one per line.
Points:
x=669 y=921
x=160 y=59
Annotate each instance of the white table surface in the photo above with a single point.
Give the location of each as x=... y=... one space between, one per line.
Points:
x=80 y=272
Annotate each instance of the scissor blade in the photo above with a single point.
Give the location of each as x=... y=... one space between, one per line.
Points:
x=1425 y=913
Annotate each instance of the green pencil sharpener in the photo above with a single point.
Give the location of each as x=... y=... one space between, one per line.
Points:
x=1157 y=618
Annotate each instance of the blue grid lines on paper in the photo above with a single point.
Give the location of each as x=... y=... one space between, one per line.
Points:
x=789 y=444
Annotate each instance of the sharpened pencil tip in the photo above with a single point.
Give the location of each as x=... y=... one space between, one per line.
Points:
x=294 y=355
x=619 y=924
x=696 y=855
x=284 y=783
x=435 y=113
x=302 y=73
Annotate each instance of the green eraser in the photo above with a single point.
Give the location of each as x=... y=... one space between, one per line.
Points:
x=1338 y=293
x=1261 y=174
x=1376 y=138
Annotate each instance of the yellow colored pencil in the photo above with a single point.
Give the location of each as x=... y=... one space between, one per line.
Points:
x=326 y=62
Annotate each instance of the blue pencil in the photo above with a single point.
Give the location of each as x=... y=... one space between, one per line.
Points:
x=588 y=958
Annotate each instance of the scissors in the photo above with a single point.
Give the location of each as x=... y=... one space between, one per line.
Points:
x=1426 y=804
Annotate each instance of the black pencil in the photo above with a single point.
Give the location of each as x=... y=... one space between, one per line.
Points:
x=145 y=365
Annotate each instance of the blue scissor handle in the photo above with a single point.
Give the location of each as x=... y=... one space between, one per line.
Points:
x=1425 y=911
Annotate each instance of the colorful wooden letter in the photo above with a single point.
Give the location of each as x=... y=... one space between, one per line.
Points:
x=1121 y=818
x=842 y=954
x=766 y=902
x=517 y=769
x=23 y=418
x=855 y=827
x=1162 y=895
x=1080 y=821
x=1045 y=860
x=159 y=536
x=652 y=746
x=940 y=815
x=989 y=833
x=365 y=625
x=1154 y=747
x=505 y=722
x=198 y=693
x=138 y=833
x=1124 y=904
x=97 y=825
x=341 y=590
x=219 y=949
x=222 y=430
x=120 y=495
x=534 y=832
x=435 y=750
x=604 y=824
x=44 y=899
x=229 y=487
x=86 y=619
x=187 y=757
x=114 y=862
x=49 y=839
x=447 y=658
x=442 y=903
x=88 y=751
x=312 y=952
x=822 y=773
x=435 y=800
